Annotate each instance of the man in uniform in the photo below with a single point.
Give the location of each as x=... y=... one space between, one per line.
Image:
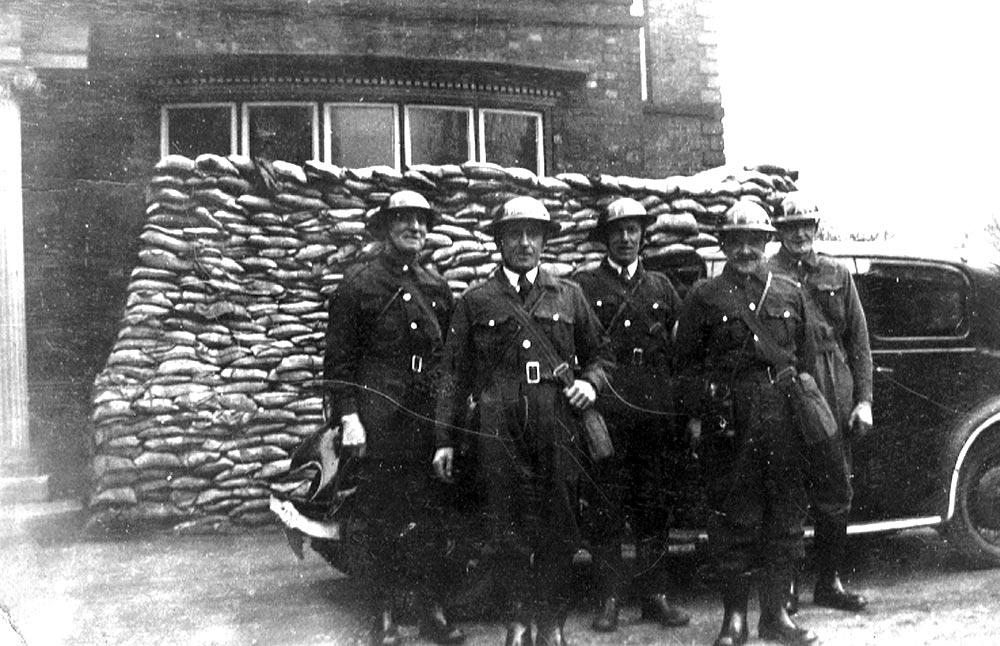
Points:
x=737 y=396
x=512 y=340
x=637 y=308
x=384 y=344
x=843 y=371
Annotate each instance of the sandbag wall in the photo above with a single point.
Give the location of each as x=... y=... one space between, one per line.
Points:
x=211 y=381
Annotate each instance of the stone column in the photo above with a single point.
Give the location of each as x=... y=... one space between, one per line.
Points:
x=14 y=441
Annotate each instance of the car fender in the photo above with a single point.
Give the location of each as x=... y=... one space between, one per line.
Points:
x=979 y=423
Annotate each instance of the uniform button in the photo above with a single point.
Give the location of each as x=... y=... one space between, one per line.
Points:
x=599 y=303
x=406 y=296
x=787 y=314
x=656 y=306
x=526 y=344
x=491 y=323
x=724 y=318
x=555 y=317
x=406 y=268
x=434 y=303
x=753 y=307
x=627 y=323
x=413 y=325
x=755 y=339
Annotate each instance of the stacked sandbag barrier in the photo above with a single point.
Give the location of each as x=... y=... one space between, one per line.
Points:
x=212 y=380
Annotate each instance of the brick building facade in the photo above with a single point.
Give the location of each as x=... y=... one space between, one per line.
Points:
x=598 y=86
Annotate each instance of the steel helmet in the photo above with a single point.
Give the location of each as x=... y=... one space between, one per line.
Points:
x=796 y=208
x=522 y=208
x=400 y=202
x=624 y=208
x=746 y=215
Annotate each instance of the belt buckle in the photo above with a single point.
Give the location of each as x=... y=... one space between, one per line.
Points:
x=416 y=363
x=637 y=356
x=532 y=372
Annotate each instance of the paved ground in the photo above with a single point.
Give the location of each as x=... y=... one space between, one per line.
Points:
x=59 y=587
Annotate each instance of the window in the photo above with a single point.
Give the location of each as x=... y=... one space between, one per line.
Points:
x=360 y=135
x=192 y=129
x=438 y=135
x=285 y=131
x=356 y=134
x=904 y=299
x=511 y=138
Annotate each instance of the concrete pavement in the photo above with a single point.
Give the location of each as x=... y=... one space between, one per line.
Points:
x=62 y=587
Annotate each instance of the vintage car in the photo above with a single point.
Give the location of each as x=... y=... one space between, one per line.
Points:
x=933 y=459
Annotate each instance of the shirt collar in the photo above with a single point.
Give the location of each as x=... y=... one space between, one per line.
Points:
x=396 y=264
x=513 y=276
x=632 y=267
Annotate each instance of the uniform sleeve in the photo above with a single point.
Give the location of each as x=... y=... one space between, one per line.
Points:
x=689 y=353
x=457 y=377
x=857 y=345
x=593 y=347
x=343 y=349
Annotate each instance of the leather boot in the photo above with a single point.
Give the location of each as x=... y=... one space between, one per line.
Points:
x=775 y=624
x=735 y=598
x=606 y=620
x=655 y=607
x=519 y=627
x=385 y=632
x=831 y=544
x=550 y=629
x=434 y=626
x=792 y=603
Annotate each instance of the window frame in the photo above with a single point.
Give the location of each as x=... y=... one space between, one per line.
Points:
x=245 y=121
x=328 y=135
x=539 y=134
x=865 y=262
x=165 y=122
x=407 y=145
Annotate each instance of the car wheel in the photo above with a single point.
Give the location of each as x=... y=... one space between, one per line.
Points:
x=975 y=528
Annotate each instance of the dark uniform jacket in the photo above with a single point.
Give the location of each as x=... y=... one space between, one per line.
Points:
x=528 y=437
x=714 y=345
x=384 y=345
x=844 y=362
x=639 y=318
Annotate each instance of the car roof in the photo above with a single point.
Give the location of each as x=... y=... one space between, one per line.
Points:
x=988 y=260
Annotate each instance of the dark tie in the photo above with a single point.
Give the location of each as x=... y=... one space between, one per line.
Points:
x=523 y=287
x=624 y=276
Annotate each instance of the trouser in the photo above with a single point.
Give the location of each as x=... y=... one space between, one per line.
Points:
x=630 y=488
x=756 y=492
x=405 y=517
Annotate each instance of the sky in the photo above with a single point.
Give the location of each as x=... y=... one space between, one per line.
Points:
x=889 y=110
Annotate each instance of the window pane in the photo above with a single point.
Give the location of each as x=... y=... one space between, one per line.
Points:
x=511 y=139
x=438 y=135
x=282 y=132
x=903 y=300
x=192 y=131
x=362 y=136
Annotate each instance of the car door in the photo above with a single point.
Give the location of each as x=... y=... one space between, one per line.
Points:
x=919 y=317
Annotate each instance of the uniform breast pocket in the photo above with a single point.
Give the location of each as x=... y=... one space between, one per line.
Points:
x=781 y=320
x=491 y=333
x=558 y=325
x=727 y=330
x=830 y=298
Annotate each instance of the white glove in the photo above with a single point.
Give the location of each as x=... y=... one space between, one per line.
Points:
x=352 y=431
x=861 y=413
x=581 y=394
x=444 y=458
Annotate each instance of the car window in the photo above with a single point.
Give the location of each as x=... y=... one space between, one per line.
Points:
x=906 y=299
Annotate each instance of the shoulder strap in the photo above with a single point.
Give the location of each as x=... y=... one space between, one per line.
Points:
x=525 y=319
x=625 y=303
